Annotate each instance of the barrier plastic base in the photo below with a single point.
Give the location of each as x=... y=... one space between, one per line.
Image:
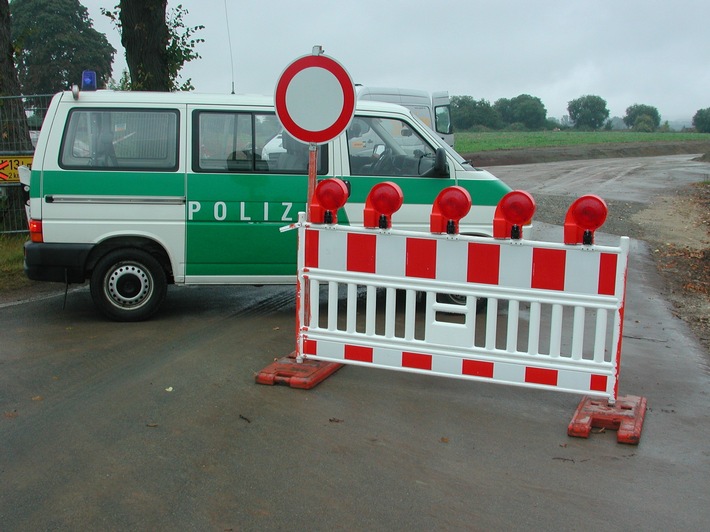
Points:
x=625 y=416
x=304 y=375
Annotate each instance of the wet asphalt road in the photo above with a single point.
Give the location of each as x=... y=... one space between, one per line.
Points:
x=160 y=426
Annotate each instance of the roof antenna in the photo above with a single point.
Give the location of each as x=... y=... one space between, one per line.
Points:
x=229 y=40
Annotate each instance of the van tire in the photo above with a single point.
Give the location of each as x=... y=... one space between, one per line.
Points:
x=455 y=299
x=128 y=285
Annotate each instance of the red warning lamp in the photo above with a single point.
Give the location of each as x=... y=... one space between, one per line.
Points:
x=452 y=204
x=382 y=202
x=514 y=210
x=330 y=195
x=585 y=215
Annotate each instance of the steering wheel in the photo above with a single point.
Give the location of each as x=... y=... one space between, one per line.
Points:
x=384 y=163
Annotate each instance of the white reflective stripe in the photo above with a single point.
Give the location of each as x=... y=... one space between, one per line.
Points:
x=112 y=200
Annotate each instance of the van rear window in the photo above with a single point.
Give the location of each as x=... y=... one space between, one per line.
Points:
x=120 y=139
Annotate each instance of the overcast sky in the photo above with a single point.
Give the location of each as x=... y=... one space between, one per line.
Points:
x=654 y=52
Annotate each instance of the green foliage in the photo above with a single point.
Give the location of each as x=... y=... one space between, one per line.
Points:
x=55 y=41
x=180 y=49
x=644 y=124
x=642 y=117
x=701 y=120
x=588 y=112
x=467 y=113
x=523 y=109
x=520 y=113
x=181 y=46
x=123 y=84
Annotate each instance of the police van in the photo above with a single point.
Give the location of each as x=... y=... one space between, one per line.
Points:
x=134 y=191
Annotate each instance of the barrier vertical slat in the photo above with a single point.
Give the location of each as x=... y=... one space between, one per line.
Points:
x=429 y=313
x=390 y=311
x=491 y=323
x=351 y=308
x=313 y=310
x=410 y=314
x=600 y=336
x=556 y=331
x=471 y=303
x=534 y=332
x=578 y=333
x=332 y=306
x=616 y=350
x=513 y=317
x=370 y=304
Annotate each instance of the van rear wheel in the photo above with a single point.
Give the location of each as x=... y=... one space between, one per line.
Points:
x=128 y=285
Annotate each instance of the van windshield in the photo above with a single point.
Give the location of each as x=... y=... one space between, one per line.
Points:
x=387 y=147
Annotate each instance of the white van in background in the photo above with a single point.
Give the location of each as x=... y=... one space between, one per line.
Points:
x=434 y=110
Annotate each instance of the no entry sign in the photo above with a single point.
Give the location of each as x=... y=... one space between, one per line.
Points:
x=315 y=99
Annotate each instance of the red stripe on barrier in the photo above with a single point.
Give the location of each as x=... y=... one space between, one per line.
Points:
x=607 y=274
x=548 y=269
x=312 y=241
x=361 y=253
x=358 y=353
x=544 y=376
x=597 y=383
x=483 y=263
x=421 y=258
x=476 y=368
x=310 y=347
x=416 y=361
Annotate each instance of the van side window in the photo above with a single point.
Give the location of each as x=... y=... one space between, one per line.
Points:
x=387 y=147
x=120 y=139
x=226 y=141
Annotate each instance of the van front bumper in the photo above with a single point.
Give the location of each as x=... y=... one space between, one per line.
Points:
x=64 y=263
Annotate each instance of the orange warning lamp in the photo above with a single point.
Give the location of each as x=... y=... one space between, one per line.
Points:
x=382 y=202
x=585 y=215
x=514 y=210
x=452 y=204
x=330 y=195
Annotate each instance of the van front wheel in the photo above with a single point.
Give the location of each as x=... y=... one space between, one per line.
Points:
x=128 y=285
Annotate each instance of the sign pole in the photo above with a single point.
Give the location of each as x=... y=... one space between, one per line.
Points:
x=312 y=171
x=315 y=101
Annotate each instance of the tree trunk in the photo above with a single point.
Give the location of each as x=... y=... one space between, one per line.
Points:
x=14 y=132
x=144 y=36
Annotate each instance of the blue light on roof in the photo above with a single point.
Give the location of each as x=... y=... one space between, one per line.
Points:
x=88 y=80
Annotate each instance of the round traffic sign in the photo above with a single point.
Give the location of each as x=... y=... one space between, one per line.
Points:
x=315 y=99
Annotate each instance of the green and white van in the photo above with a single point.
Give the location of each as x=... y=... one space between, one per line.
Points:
x=137 y=190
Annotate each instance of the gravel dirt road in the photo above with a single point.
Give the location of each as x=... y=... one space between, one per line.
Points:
x=159 y=425
x=663 y=201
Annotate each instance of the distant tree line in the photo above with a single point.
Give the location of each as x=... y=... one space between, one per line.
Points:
x=528 y=113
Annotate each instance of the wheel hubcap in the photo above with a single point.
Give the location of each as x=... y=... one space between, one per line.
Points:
x=129 y=285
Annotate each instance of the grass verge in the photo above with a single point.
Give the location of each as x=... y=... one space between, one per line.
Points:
x=11 y=262
x=468 y=142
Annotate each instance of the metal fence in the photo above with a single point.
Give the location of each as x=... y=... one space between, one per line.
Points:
x=21 y=119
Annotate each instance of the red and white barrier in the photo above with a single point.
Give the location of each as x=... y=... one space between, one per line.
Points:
x=407 y=301
x=579 y=290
